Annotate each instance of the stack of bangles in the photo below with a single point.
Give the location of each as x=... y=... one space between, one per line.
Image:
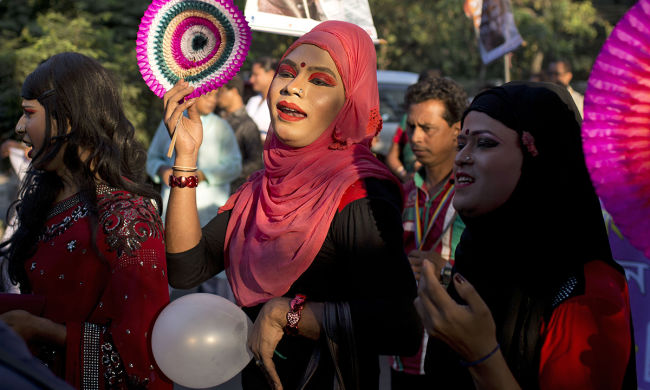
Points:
x=183 y=181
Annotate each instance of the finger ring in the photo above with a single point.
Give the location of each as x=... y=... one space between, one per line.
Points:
x=445 y=275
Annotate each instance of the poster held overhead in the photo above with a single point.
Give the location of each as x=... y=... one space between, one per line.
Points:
x=297 y=17
x=495 y=27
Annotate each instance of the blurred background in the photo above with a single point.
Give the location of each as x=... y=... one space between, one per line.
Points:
x=419 y=35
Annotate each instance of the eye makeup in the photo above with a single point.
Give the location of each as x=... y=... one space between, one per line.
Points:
x=323 y=77
x=287 y=68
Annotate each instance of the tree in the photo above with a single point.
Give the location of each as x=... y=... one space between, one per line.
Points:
x=420 y=34
x=558 y=29
x=34 y=30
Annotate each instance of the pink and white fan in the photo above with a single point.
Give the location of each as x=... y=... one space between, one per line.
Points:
x=616 y=128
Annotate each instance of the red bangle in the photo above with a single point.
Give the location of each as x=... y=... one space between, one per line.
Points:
x=183 y=181
x=294 y=314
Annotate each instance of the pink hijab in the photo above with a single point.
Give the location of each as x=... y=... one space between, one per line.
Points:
x=281 y=216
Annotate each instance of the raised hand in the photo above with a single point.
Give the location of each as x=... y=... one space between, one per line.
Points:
x=468 y=329
x=186 y=131
x=417 y=257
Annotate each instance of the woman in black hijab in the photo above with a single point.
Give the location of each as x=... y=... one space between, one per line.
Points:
x=536 y=299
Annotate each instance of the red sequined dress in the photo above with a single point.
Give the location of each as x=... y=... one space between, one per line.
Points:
x=108 y=303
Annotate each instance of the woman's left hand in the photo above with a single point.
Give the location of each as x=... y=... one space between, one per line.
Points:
x=267 y=332
x=468 y=329
x=34 y=328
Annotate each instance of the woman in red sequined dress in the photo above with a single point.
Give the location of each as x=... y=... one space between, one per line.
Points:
x=89 y=241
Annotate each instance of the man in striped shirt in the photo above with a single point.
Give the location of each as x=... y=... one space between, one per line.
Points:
x=432 y=227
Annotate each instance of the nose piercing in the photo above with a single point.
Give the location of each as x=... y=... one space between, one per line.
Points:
x=467 y=158
x=300 y=91
x=20 y=130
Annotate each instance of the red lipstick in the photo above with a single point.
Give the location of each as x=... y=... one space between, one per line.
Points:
x=290 y=112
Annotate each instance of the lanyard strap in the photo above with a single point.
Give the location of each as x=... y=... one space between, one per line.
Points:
x=419 y=235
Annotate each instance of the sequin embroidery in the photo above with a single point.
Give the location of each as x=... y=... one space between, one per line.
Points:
x=128 y=220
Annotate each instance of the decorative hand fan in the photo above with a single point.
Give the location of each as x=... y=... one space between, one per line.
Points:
x=204 y=42
x=616 y=129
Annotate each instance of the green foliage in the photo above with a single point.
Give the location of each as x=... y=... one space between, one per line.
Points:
x=437 y=34
x=33 y=30
x=558 y=29
x=419 y=34
x=424 y=35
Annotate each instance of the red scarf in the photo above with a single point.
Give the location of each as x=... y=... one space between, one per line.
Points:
x=281 y=216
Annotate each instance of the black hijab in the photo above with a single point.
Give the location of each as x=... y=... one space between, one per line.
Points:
x=519 y=255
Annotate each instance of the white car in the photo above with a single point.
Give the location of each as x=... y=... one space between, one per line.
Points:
x=392 y=87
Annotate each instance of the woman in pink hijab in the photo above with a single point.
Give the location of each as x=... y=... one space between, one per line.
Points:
x=312 y=244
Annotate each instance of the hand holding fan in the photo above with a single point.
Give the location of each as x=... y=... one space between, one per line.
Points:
x=203 y=42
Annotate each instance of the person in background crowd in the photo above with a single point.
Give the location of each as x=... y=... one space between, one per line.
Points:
x=432 y=227
x=89 y=240
x=257 y=107
x=520 y=313
x=16 y=152
x=218 y=164
x=559 y=72
x=400 y=158
x=230 y=106
x=312 y=244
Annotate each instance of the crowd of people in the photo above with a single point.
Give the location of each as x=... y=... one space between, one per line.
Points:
x=480 y=261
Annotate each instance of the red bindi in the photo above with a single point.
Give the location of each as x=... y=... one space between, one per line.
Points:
x=302 y=64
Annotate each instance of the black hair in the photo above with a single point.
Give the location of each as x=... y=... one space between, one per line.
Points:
x=429 y=74
x=565 y=63
x=506 y=253
x=83 y=112
x=444 y=89
x=267 y=63
x=236 y=83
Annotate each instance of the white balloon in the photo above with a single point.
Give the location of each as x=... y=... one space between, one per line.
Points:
x=199 y=340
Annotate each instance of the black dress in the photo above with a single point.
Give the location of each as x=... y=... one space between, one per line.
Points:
x=361 y=265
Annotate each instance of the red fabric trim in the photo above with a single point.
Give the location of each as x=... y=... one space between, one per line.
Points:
x=355 y=192
x=587 y=340
x=399 y=136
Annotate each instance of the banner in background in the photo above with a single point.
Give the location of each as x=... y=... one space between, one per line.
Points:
x=495 y=27
x=636 y=269
x=296 y=17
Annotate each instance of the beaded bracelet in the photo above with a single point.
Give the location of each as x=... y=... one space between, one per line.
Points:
x=183 y=181
x=481 y=360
